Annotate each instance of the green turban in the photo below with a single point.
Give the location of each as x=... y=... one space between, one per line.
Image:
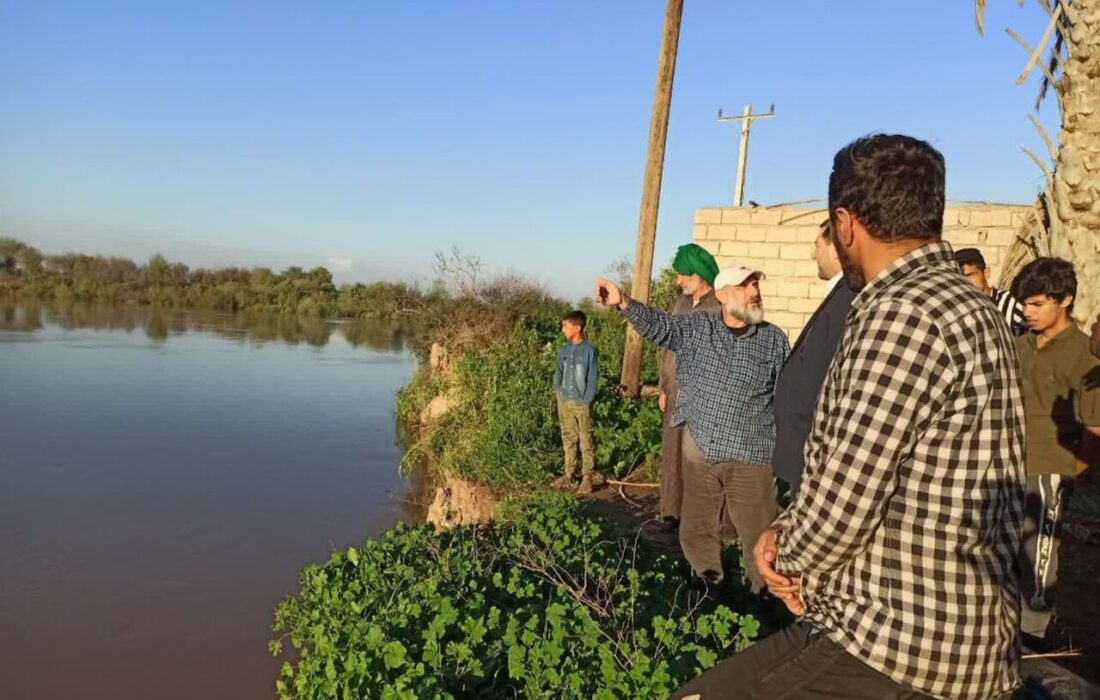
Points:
x=693 y=259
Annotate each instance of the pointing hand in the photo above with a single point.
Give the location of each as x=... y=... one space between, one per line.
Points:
x=608 y=293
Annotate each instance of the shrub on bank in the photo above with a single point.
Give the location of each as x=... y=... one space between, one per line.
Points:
x=546 y=603
x=503 y=429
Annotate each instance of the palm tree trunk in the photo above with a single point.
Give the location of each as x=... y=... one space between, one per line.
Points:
x=1074 y=217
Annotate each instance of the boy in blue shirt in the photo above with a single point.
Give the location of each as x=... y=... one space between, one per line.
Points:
x=575 y=384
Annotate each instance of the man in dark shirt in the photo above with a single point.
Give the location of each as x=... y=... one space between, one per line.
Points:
x=972 y=263
x=803 y=373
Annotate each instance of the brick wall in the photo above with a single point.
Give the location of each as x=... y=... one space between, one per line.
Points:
x=780 y=241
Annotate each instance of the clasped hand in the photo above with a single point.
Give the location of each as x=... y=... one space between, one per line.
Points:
x=786 y=588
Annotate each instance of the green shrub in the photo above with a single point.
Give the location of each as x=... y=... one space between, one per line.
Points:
x=545 y=604
x=505 y=432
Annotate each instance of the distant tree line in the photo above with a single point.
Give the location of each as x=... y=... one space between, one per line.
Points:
x=25 y=273
x=460 y=309
x=255 y=328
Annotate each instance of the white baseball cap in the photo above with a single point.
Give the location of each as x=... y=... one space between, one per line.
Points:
x=735 y=276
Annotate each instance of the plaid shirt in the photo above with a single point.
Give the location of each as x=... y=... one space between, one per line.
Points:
x=726 y=381
x=907 y=526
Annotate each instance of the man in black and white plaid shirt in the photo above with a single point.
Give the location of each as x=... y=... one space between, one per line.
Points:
x=898 y=552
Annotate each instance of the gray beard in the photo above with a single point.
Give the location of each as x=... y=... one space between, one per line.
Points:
x=744 y=313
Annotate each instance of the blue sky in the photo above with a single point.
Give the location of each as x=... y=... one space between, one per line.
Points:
x=368 y=135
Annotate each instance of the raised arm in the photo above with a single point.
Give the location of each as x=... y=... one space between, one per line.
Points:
x=655 y=324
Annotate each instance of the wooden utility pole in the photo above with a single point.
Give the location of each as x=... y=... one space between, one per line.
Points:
x=651 y=191
x=746 y=120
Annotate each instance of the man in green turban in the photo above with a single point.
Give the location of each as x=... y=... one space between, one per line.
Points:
x=695 y=270
x=694 y=260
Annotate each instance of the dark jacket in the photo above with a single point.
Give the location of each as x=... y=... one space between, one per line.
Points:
x=800 y=382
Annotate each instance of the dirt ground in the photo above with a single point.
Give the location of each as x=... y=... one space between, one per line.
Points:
x=1078 y=608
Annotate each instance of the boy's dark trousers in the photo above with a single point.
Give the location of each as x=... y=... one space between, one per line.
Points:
x=1047 y=495
x=799 y=663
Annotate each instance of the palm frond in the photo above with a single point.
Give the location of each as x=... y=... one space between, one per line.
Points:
x=1037 y=54
x=1053 y=66
x=1052 y=149
x=1048 y=76
x=1055 y=62
x=979 y=15
x=1043 y=165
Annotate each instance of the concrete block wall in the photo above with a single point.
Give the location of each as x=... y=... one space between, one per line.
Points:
x=780 y=241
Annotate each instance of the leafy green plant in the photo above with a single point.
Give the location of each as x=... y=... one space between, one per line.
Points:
x=548 y=603
x=504 y=430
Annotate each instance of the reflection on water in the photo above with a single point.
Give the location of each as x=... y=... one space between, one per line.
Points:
x=160 y=324
x=164 y=476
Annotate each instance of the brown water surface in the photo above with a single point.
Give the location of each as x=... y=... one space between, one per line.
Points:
x=164 y=478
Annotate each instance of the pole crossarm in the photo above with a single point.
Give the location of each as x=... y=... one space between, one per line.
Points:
x=746 y=118
x=747 y=115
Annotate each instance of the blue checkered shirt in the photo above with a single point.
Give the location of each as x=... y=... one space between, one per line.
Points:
x=727 y=381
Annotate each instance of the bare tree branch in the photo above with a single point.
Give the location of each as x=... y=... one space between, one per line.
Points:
x=460 y=269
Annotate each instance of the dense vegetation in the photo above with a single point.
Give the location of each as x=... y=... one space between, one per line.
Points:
x=25 y=273
x=546 y=603
x=503 y=429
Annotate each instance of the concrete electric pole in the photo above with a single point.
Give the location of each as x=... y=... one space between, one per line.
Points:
x=746 y=118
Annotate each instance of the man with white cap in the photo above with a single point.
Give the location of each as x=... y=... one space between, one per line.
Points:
x=726 y=365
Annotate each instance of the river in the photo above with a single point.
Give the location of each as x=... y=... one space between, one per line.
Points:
x=163 y=479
